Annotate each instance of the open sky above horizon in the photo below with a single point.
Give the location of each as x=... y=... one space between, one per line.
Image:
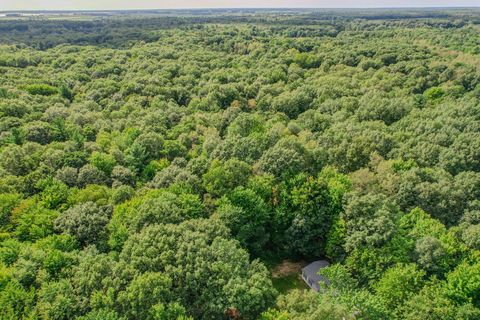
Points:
x=180 y=4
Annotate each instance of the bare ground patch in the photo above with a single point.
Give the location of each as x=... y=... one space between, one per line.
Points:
x=287 y=268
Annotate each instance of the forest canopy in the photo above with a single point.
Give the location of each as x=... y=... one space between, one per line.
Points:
x=160 y=165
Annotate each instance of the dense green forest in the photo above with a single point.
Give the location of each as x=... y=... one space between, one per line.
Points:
x=162 y=166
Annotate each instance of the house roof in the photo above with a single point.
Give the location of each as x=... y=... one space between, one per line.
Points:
x=310 y=274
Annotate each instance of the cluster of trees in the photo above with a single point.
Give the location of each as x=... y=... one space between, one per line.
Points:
x=150 y=180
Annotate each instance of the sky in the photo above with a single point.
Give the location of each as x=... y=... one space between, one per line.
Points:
x=171 y=4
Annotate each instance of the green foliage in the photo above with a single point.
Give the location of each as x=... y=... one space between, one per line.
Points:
x=41 y=89
x=220 y=178
x=32 y=221
x=153 y=167
x=432 y=303
x=144 y=295
x=102 y=314
x=159 y=206
x=9 y=251
x=146 y=163
x=307 y=305
x=398 y=284
x=204 y=265
x=247 y=216
x=90 y=174
x=314 y=210
x=434 y=93
x=56 y=300
x=86 y=222
x=336 y=240
x=287 y=158
x=93 y=192
x=8 y=201
x=15 y=160
x=122 y=176
x=103 y=162
x=370 y=221
x=16 y=302
x=66 y=92
x=463 y=283
x=307 y=60
x=54 y=193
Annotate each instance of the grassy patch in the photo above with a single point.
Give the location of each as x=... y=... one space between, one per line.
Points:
x=286 y=274
x=289 y=282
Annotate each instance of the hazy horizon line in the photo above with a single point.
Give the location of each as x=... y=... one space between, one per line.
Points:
x=246 y=8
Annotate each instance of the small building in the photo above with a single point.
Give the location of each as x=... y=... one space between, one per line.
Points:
x=310 y=274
